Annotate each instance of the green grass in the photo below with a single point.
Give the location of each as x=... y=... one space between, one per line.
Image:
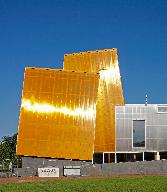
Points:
x=114 y=184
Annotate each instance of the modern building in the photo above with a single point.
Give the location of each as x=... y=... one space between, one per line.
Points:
x=70 y=113
x=78 y=114
x=57 y=114
x=141 y=133
x=110 y=92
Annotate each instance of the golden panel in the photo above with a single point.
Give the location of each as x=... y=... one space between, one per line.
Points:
x=110 y=91
x=58 y=114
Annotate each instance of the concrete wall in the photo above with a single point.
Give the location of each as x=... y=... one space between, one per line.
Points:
x=129 y=168
x=30 y=166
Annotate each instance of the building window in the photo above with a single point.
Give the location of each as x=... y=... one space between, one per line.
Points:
x=162 y=108
x=138 y=133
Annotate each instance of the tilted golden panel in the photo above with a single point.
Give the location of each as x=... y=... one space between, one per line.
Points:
x=58 y=113
x=110 y=91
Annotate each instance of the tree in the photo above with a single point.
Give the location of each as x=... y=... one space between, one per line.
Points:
x=8 y=148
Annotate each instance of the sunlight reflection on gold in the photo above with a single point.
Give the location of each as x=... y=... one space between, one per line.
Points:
x=37 y=107
x=111 y=75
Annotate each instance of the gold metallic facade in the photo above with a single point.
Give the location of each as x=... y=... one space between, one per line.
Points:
x=58 y=114
x=110 y=91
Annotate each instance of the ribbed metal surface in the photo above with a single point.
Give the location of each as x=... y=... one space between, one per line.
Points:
x=155 y=125
x=58 y=113
x=109 y=92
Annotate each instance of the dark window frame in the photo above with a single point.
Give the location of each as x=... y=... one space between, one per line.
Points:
x=135 y=145
x=161 y=106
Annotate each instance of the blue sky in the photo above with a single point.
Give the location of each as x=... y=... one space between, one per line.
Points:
x=39 y=32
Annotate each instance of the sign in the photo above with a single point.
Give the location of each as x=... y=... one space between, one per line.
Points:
x=72 y=171
x=48 y=172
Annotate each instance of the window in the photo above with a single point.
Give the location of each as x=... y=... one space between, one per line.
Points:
x=162 y=108
x=138 y=133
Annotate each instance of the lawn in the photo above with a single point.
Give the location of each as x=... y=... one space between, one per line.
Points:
x=115 y=184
